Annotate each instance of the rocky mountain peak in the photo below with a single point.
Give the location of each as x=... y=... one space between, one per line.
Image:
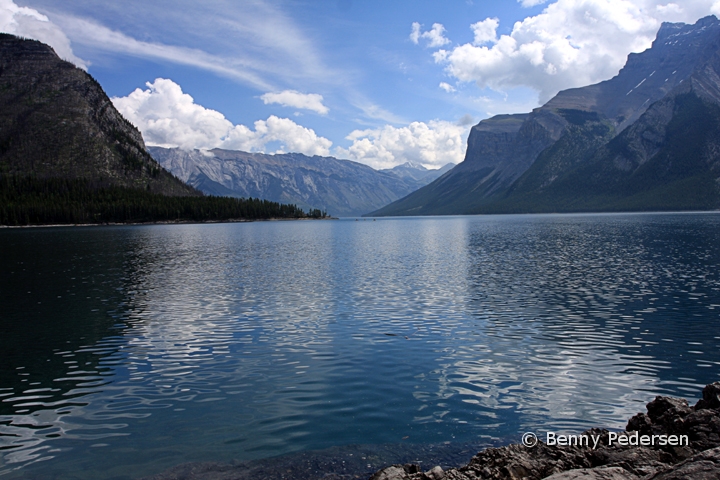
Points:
x=618 y=138
x=678 y=33
x=57 y=122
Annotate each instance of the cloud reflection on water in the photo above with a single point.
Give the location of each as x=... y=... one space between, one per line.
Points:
x=215 y=342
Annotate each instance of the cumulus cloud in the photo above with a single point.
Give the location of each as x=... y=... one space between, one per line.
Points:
x=29 y=23
x=431 y=144
x=168 y=117
x=571 y=43
x=485 y=31
x=291 y=98
x=434 y=37
x=447 y=87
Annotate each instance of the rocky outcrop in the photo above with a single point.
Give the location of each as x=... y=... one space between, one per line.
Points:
x=699 y=459
x=57 y=122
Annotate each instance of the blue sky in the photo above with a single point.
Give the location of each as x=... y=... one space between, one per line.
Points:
x=377 y=82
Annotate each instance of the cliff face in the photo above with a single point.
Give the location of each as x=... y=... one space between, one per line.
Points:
x=57 y=122
x=618 y=145
x=341 y=187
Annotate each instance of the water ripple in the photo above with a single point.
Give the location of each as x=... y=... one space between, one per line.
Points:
x=152 y=346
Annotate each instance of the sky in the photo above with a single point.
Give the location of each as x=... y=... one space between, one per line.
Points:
x=377 y=82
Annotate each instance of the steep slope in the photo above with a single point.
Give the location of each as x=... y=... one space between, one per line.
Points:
x=340 y=187
x=668 y=159
x=537 y=162
x=57 y=122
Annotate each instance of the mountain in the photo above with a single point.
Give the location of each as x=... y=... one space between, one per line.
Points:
x=340 y=187
x=412 y=172
x=647 y=139
x=68 y=157
x=57 y=122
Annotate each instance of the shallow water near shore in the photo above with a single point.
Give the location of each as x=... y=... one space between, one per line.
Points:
x=128 y=350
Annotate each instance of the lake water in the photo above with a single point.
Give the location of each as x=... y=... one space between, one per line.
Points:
x=127 y=350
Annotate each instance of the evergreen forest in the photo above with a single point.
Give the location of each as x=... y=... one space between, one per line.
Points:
x=28 y=200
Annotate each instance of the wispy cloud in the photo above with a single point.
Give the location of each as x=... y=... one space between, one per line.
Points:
x=372 y=112
x=88 y=33
x=292 y=98
x=252 y=41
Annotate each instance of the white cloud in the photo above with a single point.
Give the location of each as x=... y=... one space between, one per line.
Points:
x=291 y=98
x=431 y=144
x=531 y=3
x=447 y=87
x=89 y=33
x=485 y=31
x=168 y=117
x=29 y=23
x=415 y=33
x=254 y=42
x=434 y=37
x=571 y=43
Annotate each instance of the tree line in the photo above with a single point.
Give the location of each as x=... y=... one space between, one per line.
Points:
x=28 y=200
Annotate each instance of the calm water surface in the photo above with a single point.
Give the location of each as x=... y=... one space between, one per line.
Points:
x=127 y=350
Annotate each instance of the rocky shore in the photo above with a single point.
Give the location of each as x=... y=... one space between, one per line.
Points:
x=694 y=429
x=608 y=459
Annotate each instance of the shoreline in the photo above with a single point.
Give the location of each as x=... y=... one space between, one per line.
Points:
x=166 y=222
x=699 y=460
x=604 y=458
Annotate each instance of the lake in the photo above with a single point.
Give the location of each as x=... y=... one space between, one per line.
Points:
x=126 y=350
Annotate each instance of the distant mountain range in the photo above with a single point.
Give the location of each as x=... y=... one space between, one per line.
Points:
x=57 y=122
x=340 y=187
x=647 y=139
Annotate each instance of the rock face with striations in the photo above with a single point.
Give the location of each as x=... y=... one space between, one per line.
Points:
x=57 y=122
x=647 y=139
x=341 y=187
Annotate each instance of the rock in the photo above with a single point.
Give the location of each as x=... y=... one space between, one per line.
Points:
x=660 y=405
x=398 y=472
x=711 y=397
x=699 y=459
x=435 y=474
x=640 y=423
x=704 y=466
x=600 y=473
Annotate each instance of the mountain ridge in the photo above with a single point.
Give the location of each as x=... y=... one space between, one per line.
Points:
x=340 y=187
x=57 y=122
x=535 y=162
